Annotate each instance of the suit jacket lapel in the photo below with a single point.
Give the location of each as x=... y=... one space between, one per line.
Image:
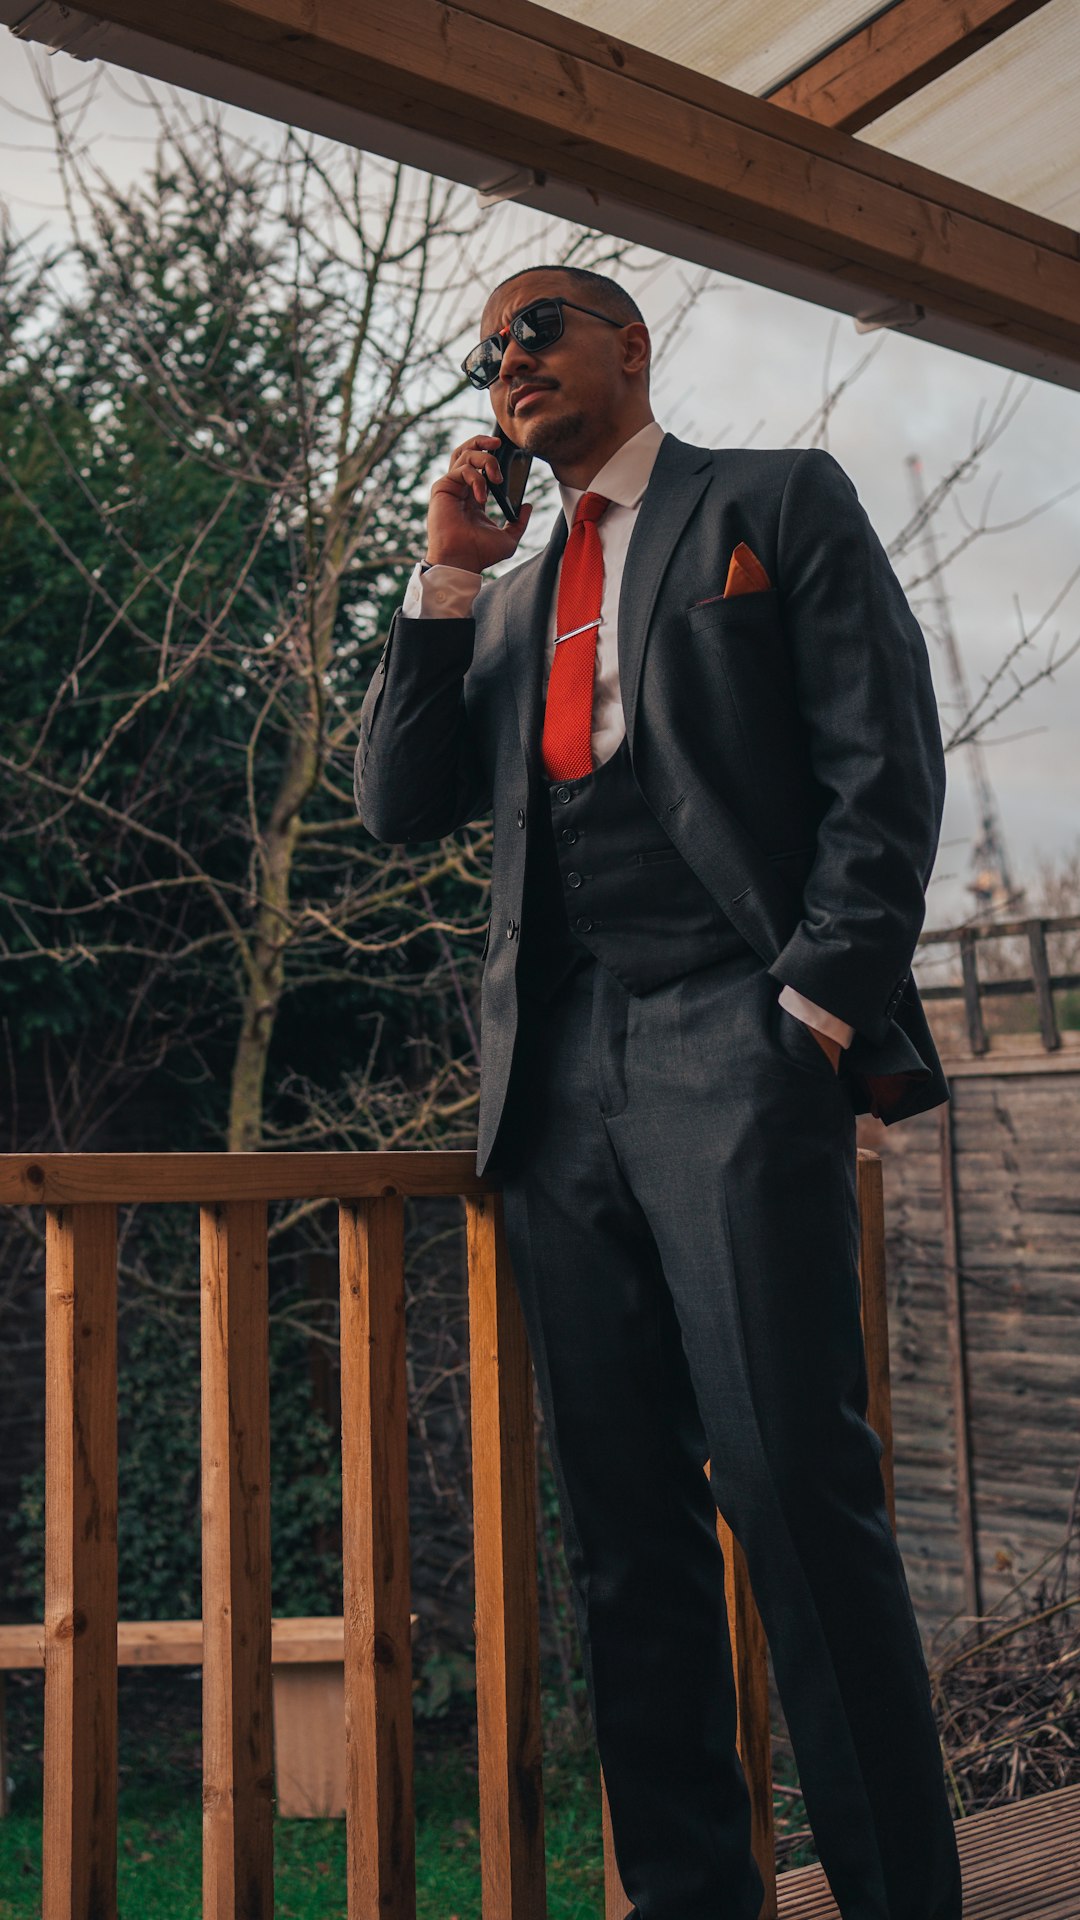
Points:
x=678 y=480
x=525 y=617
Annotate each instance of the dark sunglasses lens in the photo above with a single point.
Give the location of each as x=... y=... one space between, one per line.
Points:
x=538 y=326
x=534 y=328
x=482 y=364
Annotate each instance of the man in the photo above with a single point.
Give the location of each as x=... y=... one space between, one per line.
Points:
x=704 y=722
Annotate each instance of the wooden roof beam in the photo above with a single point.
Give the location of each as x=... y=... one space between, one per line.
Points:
x=892 y=56
x=586 y=127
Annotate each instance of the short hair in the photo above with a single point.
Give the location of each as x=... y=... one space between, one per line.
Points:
x=605 y=294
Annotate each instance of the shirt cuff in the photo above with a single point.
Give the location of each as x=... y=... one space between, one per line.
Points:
x=440 y=593
x=815 y=1016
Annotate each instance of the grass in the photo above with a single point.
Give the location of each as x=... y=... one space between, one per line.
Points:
x=160 y=1838
x=160 y=1854
x=160 y=1819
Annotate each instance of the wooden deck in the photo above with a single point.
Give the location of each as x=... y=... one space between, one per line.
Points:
x=1020 y=1862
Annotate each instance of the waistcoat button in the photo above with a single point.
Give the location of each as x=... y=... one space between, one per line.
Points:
x=573 y=879
x=583 y=923
x=562 y=793
x=569 y=834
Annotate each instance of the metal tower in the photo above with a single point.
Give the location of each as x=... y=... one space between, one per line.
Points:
x=991 y=881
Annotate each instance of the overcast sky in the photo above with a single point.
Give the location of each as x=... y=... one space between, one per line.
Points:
x=749 y=369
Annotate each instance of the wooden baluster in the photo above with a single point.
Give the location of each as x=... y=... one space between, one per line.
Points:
x=616 y=1898
x=238 y=1760
x=507 y=1610
x=973 y=1014
x=375 y=1535
x=875 y=1313
x=754 y=1736
x=958 y=1370
x=79 y=1828
x=1044 y=992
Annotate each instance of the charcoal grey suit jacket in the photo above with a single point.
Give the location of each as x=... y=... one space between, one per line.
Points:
x=787 y=740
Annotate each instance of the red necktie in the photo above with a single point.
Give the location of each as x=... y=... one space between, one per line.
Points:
x=566 y=745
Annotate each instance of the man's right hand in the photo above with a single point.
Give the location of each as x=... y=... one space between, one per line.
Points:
x=459 y=531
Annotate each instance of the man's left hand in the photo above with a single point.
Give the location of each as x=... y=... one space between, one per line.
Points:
x=828 y=1046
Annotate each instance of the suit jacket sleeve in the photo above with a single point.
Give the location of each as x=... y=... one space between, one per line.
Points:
x=417 y=775
x=866 y=697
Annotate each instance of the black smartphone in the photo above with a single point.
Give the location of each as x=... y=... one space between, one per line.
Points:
x=509 y=491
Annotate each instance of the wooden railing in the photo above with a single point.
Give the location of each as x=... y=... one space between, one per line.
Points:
x=81 y=1194
x=1038 y=982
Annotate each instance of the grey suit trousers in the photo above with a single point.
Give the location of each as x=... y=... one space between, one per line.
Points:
x=679 y=1184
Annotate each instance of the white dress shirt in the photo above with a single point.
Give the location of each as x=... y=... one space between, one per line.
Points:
x=448 y=593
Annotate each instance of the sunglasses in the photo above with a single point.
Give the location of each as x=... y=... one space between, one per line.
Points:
x=534 y=328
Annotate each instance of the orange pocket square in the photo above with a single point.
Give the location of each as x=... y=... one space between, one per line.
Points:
x=745 y=573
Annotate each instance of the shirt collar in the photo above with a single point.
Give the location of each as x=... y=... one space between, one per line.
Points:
x=624 y=478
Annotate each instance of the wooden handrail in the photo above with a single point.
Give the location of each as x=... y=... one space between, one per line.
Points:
x=1040 y=982
x=64 y=1179
x=81 y=1193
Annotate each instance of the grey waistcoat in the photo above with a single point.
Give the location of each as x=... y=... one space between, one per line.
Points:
x=603 y=877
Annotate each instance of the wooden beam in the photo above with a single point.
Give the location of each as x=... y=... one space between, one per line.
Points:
x=893 y=55
x=295 y=1641
x=620 y=138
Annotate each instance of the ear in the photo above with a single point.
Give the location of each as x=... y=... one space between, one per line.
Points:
x=637 y=347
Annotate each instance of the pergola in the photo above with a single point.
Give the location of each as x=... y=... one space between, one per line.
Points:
x=908 y=165
x=808 y=145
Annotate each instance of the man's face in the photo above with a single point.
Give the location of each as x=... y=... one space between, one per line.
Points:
x=554 y=402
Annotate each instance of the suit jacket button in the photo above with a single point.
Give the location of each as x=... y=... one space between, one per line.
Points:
x=573 y=879
x=511 y=929
x=521 y=816
x=583 y=924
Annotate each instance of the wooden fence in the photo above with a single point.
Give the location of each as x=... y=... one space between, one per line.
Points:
x=81 y=1194
x=983 y=1237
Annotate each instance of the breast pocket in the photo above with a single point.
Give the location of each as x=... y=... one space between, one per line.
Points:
x=740 y=613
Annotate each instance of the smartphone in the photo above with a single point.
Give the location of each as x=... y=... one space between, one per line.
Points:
x=514 y=463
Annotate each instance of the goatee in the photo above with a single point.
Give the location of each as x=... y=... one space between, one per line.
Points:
x=548 y=439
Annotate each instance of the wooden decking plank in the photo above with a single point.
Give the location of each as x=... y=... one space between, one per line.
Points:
x=1019 y=1862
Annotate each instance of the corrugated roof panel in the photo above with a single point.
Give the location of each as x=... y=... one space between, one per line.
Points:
x=1006 y=120
x=752 y=44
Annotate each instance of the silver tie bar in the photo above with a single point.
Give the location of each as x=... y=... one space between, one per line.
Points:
x=576 y=630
